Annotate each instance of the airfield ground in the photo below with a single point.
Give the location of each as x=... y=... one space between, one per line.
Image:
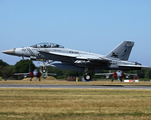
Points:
x=53 y=81
x=76 y=104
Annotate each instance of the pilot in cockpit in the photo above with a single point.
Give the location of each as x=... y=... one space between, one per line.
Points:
x=55 y=46
x=49 y=46
x=38 y=46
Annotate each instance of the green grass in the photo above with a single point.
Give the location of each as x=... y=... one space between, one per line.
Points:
x=76 y=104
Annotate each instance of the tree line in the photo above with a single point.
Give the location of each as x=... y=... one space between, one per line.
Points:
x=25 y=66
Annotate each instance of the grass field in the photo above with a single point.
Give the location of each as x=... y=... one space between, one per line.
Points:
x=76 y=104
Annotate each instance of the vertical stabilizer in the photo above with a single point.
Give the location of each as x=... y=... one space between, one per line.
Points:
x=122 y=51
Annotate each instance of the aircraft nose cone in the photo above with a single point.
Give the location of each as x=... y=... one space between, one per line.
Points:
x=10 y=51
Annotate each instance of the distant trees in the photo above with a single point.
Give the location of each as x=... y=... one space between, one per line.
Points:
x=6 y=70
x=148 y=74
x=144 y=73
x=2 y=63
x=25 y=66
x=63 y=74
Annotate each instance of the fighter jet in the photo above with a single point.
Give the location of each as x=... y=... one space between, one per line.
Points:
x=75 y=60
x=119 y=75
x=36 y=74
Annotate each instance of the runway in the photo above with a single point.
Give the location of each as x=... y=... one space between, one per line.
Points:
x=77 y=86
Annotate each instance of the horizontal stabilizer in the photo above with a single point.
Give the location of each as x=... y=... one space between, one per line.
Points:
x=136 y=66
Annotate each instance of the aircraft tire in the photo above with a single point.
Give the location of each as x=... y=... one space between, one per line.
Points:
x=44 y=77
x=87 y=77
x=44 y=70
x=112 y=79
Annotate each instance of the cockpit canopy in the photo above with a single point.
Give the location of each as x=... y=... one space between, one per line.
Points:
x=47 y=45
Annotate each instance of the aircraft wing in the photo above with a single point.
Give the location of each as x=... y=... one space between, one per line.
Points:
x=104 y=74
x=107 y=74
x=78 y=57
x=22 y=74
x=58 y=54
x=92 y=58
x=128 y=74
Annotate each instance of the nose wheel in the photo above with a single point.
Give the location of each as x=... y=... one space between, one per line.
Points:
x=44 y=70
x=44 y=76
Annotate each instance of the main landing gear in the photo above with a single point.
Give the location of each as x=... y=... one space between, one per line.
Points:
x=87 y=76
x=44 y=69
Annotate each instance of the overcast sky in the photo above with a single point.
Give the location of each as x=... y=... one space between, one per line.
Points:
x=96 y=25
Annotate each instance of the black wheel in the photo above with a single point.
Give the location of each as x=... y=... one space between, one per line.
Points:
x=44 y=70
x=87 y=77
x=44 y=76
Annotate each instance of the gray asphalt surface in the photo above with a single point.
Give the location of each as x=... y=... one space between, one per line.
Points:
x=77 y=86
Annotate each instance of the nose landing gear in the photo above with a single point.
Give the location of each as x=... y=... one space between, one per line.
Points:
x=44 y=70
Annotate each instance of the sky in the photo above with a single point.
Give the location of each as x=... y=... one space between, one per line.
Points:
x=96 y=25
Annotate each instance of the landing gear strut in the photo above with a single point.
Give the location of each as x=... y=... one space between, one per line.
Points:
x=44 y=69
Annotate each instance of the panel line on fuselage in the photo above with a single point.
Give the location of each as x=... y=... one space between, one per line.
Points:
x=30 y=51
